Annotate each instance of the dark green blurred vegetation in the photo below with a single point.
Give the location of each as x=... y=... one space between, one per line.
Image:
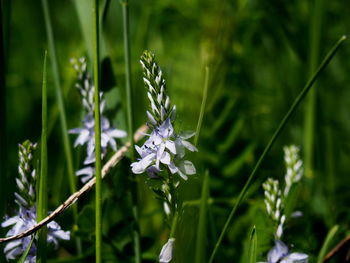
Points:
x=259 y=54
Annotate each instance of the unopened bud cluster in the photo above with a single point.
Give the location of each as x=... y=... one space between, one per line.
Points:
x=274 y=204
x=294 y=166
x=160 y=108
x=27 y=177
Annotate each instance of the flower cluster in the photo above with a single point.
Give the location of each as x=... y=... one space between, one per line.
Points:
x=164 y=148
x=86 y=134
x=294 y=167
x=274 y=202
x=280 y=254
x=26 y=216
x=274 y=206
x=162 y=156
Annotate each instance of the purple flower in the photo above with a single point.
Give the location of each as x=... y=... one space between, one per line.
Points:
x=164 y=147
x=166 y=253
x=280 y=254
x=86 y=134
x=26 y=217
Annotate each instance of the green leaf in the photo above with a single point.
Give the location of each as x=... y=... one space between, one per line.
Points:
x=326 y=243
x=253 y=242
x=26 y=252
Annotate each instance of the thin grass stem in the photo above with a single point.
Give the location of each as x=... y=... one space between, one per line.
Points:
x=42 y=209
x=98 y=208
x=62 y=112
x=310 y=110
x=202 y=222
x=3 y=131
x=204 y=100
x=278 y=131
x=130 y=117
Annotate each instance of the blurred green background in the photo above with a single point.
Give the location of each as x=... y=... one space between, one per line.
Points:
x=260 y=55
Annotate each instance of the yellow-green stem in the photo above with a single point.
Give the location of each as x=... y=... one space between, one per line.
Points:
x=98 y=166
x=42 y=209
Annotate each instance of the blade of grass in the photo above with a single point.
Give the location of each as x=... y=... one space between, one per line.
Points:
x=3 y=148
x=62 y=112
x=310 y=114
x=130 y=117
x=26 y=252
x=253 y=242
x=202 y=224
x=98 y=208
x=278 y=131
x=327 y=243
x=42 y=209
x=204 y=100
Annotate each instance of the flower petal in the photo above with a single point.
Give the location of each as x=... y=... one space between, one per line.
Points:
x=296 y=258
x=166 y=253
x=279 y=251
x=190 y=146
x=171 y=146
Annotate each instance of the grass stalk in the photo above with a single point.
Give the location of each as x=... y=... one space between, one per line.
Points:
x=42 y=209
x=3 y=133
x=98 y=208
x=130 y=118
x=62 y=112
x=278 y=131
x=253 y=243
x=310 y=110
x=327 y=243
x=202 y=224
x=204 y=100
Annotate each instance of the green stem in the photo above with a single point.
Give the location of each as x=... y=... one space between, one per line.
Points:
x=278 y=131
x=310 y=114
x=130 y=117
x=62 y=112
x=42 y=209
x=202 y=222
x=98 y=213
x=174 y=225
x=3 y=131
x=204 y=100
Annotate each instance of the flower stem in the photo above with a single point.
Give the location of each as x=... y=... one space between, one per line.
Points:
x=98 y=208
x=130 y=117
x=274 y=137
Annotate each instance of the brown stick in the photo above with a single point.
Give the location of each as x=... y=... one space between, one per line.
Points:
x=336 y=249
x=74 y=197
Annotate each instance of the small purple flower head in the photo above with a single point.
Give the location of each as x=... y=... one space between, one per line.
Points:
x=86 y=134
x=26 y=217
x=280 y=254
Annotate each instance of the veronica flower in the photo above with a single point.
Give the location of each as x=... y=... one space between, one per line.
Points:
x=26 y=216
x=86 y=134
x=280 y=254
x=166 y=253
x=164 y=148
